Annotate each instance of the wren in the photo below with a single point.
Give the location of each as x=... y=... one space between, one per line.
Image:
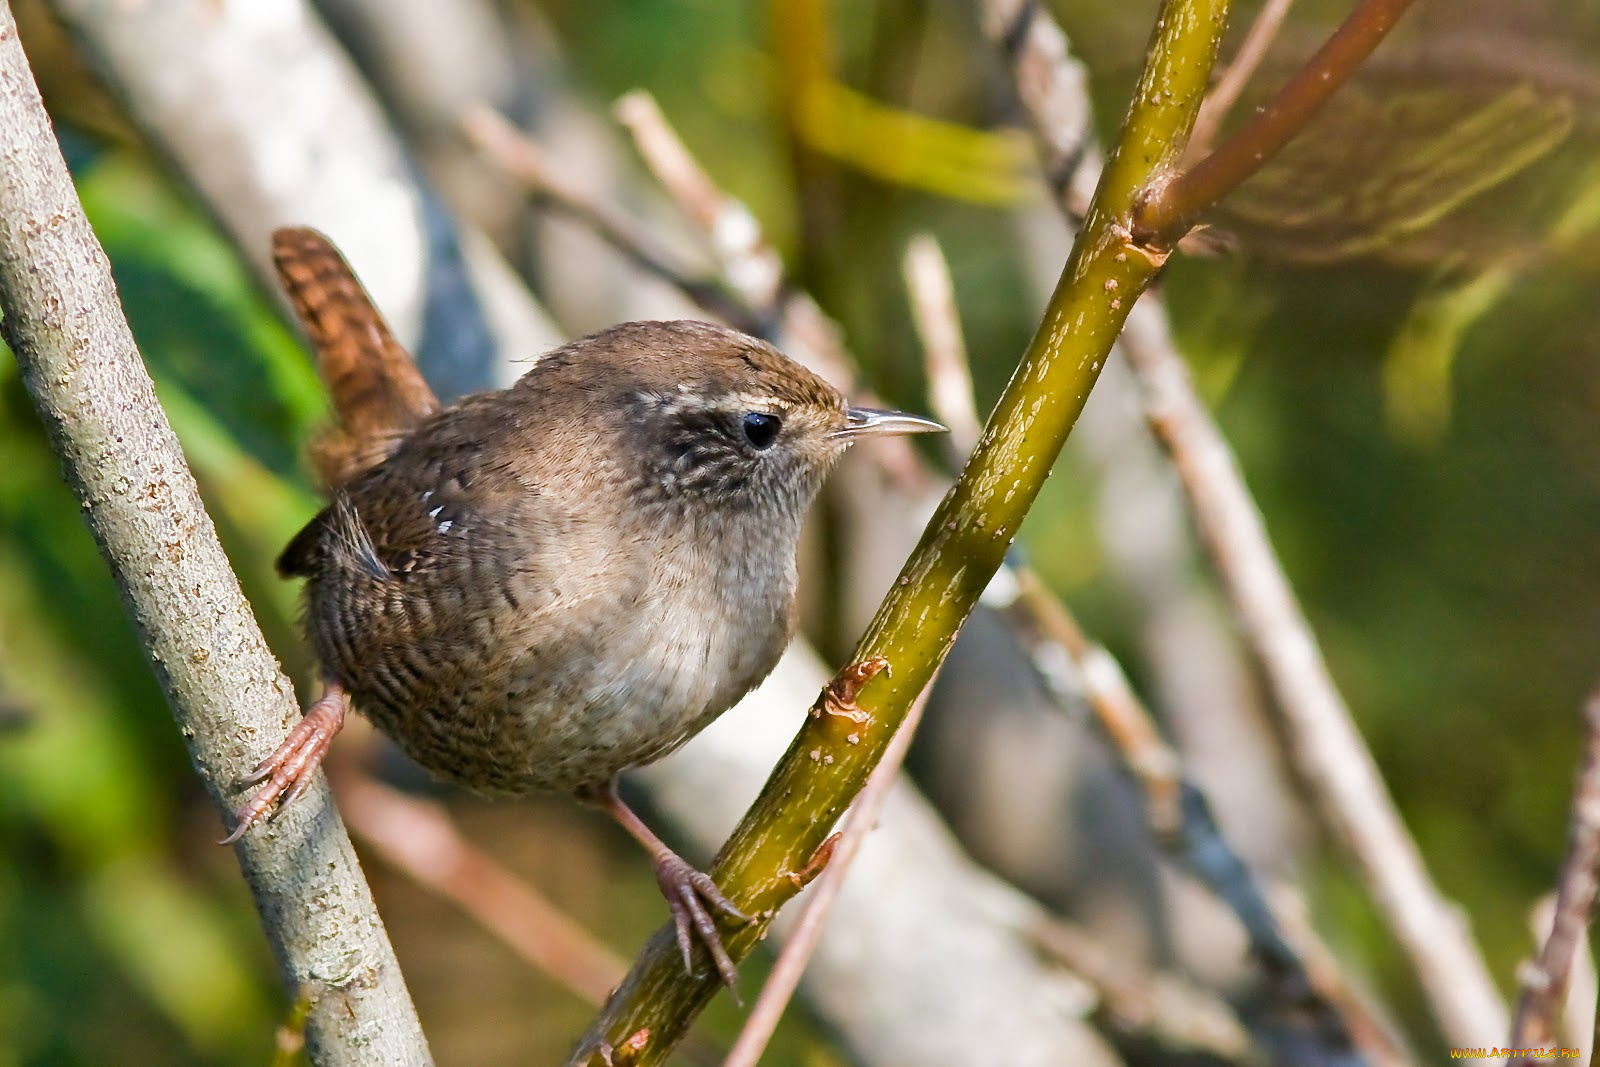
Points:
x=537 y=588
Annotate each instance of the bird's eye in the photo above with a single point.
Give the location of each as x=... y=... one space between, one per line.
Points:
x=760 y=429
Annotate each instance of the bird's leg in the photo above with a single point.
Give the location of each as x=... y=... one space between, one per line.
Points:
x=687 y=890
x=291 y=767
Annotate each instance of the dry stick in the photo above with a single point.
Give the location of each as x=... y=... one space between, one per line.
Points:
x=749 y=262
x=1576 y=1020
x=802 y=942
x=1169 y=209
x=232 y=702
x=1544 y=981
x=1323 y=743
x=938 y=326
x=1221 y=99
x=752 y=269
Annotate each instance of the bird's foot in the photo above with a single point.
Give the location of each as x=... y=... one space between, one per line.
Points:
x=688 y=893
x=288 y=772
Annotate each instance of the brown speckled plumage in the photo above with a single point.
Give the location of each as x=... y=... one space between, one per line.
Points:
x=489 y=596
x=539 y=587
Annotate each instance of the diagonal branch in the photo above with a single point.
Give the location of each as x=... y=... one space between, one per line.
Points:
x=834 y=860
x=79 y=363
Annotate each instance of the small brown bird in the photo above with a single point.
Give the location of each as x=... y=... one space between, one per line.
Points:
x=540 y=587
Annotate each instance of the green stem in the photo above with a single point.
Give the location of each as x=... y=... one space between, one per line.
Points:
x=1171 y=209
x=961 y=548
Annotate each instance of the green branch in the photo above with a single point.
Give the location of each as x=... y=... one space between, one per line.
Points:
x=960 y=550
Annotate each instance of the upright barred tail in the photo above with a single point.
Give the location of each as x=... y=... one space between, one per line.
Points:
x=377 y=392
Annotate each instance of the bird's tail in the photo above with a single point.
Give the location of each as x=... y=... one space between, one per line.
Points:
x=377 y=392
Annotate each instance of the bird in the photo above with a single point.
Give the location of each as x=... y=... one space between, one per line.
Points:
x=537 y=588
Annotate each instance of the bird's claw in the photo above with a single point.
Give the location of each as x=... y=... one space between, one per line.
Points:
x=289 y=771
x=688 y=893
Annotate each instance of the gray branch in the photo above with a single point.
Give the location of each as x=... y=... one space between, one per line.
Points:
x=232 y=702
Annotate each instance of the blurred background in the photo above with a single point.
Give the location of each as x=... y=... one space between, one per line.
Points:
x=1395 y=326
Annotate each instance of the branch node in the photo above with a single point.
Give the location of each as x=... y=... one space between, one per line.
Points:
x=816 y=864
x=625 y=1054
x=838 y=698
x=1139 y=239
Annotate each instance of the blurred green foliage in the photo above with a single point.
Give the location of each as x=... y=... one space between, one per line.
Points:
x=1453 y=575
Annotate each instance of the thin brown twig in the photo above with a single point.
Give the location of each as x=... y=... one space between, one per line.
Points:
x=1123 y=718
x=1220 y=101
x=1544 y=980
x=1579 y=1001
x=802 y=941
x=1170 y=209
x=750 y=264
x=521 y=158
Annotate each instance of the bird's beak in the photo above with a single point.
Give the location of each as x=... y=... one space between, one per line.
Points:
x=875 y=422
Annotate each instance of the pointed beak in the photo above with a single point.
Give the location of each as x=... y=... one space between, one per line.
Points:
x=875 y=422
